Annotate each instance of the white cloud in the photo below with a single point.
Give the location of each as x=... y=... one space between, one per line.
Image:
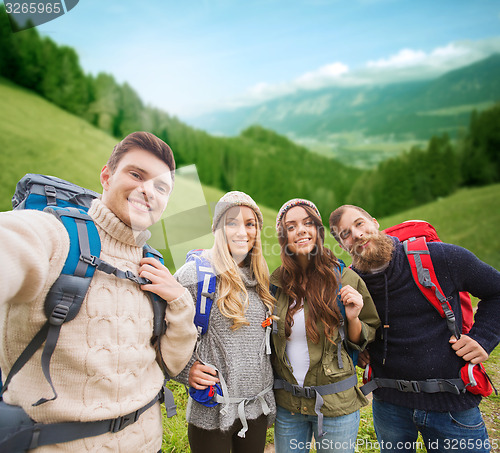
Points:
x=404 y=58
x=451 y=55
x=407 y=64
x=322 y=76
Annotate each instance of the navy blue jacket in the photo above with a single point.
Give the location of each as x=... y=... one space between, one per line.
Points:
x=417 y=346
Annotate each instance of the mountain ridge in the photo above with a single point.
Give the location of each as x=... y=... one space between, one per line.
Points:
x=405 y=110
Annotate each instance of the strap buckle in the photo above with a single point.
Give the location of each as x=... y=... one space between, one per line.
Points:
x=59 y=314
x=89 y=260
x=408 y=386
x=122 y=422
x=51 y=194
x=304 y=392
x=129 y=275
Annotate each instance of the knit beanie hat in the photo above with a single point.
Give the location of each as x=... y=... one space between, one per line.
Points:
x=231 y=199
x=292 y=204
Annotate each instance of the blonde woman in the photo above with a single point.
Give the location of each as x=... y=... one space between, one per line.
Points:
x=234 y=352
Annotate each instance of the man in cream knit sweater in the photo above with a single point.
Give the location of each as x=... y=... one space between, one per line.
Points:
x=104 y=365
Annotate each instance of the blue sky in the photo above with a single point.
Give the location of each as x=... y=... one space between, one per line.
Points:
x=192 y=56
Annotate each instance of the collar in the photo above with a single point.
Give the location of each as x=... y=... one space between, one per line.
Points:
x=112 y=225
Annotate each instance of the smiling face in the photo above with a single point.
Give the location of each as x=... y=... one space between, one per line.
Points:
x=241 y=231
x=301 y=232
x=360 y=236
x=137 y=191
x=355 y=231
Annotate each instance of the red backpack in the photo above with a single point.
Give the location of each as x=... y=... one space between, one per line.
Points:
x=420 y=228
x=415 y=234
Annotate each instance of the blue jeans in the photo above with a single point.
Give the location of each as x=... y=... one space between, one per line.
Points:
x=397 y=429
x=293 y=433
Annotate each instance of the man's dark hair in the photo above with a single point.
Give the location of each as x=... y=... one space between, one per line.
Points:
x=146 y=141
x=336 y=215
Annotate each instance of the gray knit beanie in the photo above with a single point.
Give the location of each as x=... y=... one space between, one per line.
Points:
x=232 y=199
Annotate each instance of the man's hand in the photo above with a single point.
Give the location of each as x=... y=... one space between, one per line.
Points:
x=162 y=283
x=201 y=376
x=469 y=349
x=363 y=359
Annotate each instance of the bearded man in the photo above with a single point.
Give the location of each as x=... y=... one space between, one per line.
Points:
x=414 y=345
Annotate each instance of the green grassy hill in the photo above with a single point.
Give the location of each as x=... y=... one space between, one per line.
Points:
x=38 y=137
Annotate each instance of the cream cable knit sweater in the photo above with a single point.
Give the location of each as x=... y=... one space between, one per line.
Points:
x=103 y=365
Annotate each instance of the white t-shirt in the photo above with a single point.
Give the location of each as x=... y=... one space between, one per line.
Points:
x=296 y=347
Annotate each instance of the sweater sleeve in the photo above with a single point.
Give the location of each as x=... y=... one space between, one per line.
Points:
x=482 y=281
x=180 y=337
x=187 y=277
x=34 y=248
x=368 y=316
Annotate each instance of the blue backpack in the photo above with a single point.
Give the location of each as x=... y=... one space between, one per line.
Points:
x=207 y=283
x=70 y=203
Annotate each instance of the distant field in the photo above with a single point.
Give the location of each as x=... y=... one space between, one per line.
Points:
x=358 y=151
x=457 y=110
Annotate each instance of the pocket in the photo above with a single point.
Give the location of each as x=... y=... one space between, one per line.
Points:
x=468 y=419
x=331 y=364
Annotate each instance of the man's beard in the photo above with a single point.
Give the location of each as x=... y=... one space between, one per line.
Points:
x=376 y=256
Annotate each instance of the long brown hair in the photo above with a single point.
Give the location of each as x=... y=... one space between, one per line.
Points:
x=321 y=287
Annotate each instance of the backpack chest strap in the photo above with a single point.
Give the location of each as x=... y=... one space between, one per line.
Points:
x=36 y=435
x=455 y=386
x=317 y=392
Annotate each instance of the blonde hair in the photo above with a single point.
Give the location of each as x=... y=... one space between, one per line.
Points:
x=233 y=297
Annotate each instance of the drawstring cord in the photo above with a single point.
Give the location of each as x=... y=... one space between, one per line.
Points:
x=386 y=319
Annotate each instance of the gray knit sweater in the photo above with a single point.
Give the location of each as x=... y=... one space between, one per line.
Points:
x=239 y=355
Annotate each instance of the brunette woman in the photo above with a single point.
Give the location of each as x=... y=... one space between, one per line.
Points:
x=316 y=384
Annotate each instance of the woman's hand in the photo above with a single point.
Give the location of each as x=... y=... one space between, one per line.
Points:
x=202 y=376
x=162 y=283
x=352 y=300
x=353 y=303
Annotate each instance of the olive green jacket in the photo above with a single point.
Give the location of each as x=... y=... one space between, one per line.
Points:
x=323 y=368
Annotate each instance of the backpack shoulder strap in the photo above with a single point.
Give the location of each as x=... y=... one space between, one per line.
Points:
x=339 y=300
x=423 y=273
x=342 y=327
x=66 y=295
x=206 y=289
x=159 y=305
x=159 y=328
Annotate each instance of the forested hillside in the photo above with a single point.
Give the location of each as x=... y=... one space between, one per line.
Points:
x=269 y=167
